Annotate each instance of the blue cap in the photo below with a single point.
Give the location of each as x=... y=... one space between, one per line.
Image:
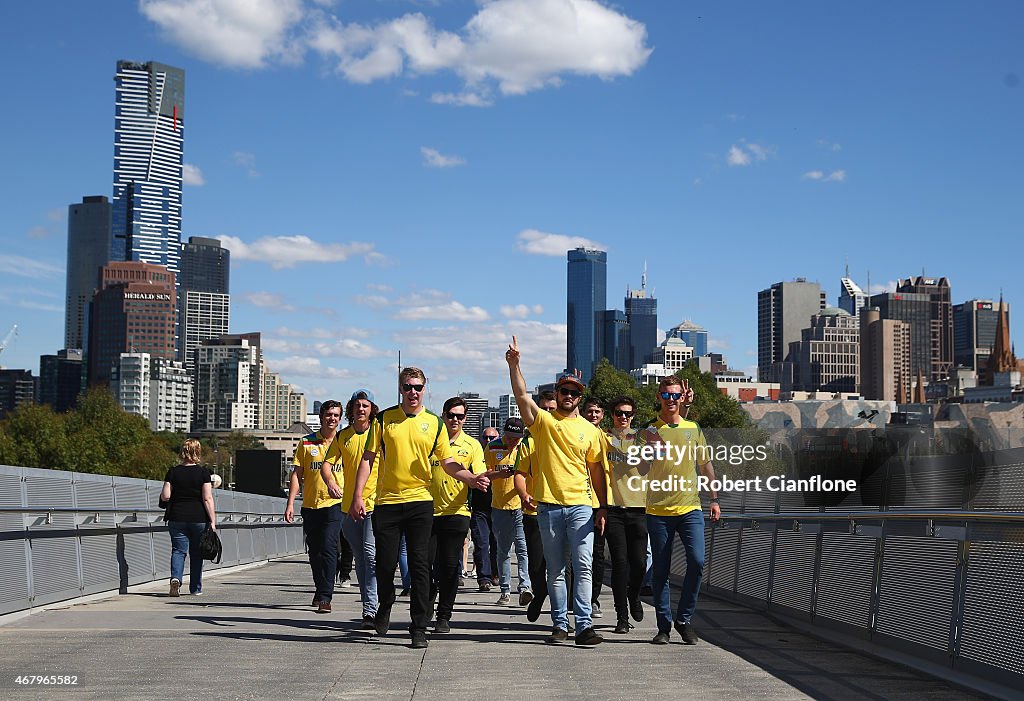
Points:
x=366 y=394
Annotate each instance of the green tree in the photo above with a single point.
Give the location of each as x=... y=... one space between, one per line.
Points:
x=100 y=421
x=35 y=437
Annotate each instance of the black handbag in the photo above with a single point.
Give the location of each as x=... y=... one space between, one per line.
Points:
x=209 y=545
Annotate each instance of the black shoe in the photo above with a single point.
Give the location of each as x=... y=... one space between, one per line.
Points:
x=404 y=592
x=533 y=610
x=441 y=626
x=661 y=639
x=687 y=632
x=368 y=623
x=636 y=609
x=419 y=640
x=595 y=609
x=382 y=621
x=646 y=590
x=485 y=585
x=558 y=636
x=588 y=636
x=525 y=597
x=622 y=627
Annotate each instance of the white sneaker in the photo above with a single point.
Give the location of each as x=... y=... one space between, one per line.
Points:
x=345 y=583
x=505 y=599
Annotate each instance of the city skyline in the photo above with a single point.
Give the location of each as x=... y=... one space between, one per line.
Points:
x=730 y=148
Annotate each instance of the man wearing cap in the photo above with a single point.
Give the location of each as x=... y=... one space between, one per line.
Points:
x=506 y=511
x=321 y=512
x=406 y=436
x=569 y=482
x=347 y=450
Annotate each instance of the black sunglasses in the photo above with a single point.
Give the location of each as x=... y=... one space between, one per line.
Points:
x=455 y=417
x=569 y=392
x=626 y=414
x=406 y=387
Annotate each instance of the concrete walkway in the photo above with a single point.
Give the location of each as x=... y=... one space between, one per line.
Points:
x=253 y=636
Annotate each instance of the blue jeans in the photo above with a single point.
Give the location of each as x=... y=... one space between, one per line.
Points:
x=322 y=528
x=185 y=539
x=359 y=535
x=690 y=527
x=568 y=533
x=508 y=527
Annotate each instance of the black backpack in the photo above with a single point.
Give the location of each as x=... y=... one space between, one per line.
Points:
x=209 y=545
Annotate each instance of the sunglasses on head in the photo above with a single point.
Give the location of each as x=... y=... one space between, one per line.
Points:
x=675 y=396
x=455 y=417
x=565 y=392
x=406 y=386
x=623 y=413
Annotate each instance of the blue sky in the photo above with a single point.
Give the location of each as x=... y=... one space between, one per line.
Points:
x=407 y=175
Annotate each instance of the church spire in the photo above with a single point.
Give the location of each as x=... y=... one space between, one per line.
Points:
x=1002 y=359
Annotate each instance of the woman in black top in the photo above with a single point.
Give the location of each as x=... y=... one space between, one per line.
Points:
x=189 y=494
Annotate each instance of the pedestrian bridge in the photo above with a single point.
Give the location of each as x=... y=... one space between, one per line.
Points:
x=861 y=599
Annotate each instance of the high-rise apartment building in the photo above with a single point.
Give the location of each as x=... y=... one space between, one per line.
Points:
x=783 y=311
x=149 y=130
x=974 y=333
x=613 y=338
x=280 y=404
x=827 y=356
x=586 y=294
x=204 y=303
x=673 y=353
x=205 y=265
x=17 y=388
x=88 y=251
x=642 y=317
x=476 y=407
x=884 y=357
x=229 y=373
x=692 y=335
x=134 y=311
x=61 y=379
x=507 y=408
x=915 y=310
x=940 y=322
x=157 y=389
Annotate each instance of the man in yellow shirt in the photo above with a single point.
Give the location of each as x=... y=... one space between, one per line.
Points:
x=451 y=510
x=677 y=510
x=506 y=511
x=569 y=482
x=347 y=451
x=406 y=436
x=321 y=513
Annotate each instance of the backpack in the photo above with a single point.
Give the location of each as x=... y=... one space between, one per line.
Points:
x=209 y=545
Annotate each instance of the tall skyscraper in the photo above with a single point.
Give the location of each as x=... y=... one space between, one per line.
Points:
x=586 y=294
x=476 y=407
x=884 y=356
x=205 y=306
x=827 y=356
x=642 y=316
x=149 y=129
x=134 y=311
x=613 y=339
x=851 y=297
x=693 y=335
x=88 y=251
x=915 y=310
x=229 y=379
x=940 y=322
x=61 y=379
x=974 y=334
x=783 y=311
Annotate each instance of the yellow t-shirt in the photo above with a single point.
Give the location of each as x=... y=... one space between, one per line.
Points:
x=681 y=498
x=348 y=449
x=451 y=496
x=524 y=465
x=498 y=456
x=405 y=445
x=563 y=446
x=619 y=471
x=309 y=456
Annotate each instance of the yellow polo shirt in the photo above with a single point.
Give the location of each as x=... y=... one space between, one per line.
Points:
x=619 y=471
x=563 y=446
x=309 y=456
x=685 y=498
x=524 y=465
x=498 y=456
x=348 y=450
x=451 y=496
x=405 y=445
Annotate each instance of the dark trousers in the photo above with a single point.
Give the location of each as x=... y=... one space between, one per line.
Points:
x=446 y=539
x=483 y=554
x=598 y=574
x=322 y=528
x=344 y=559
x=535 y=557
x=390 y=522
x=626 y=533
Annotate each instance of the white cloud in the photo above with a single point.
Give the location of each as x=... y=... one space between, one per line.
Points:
x=814 y=175
x=302 y=366
x=837 y=176
x=320 y=332
x=520 y=311
x=435 y=159
x=377 y=287
x=462 y=99
x=337 y=348
x=191 y=175
x=746 y=153
x=452 y=310
x=878 y=289
x=268 y=300
x=287 y=251
x=28 y=267
x=233 y=33
x=515 y=45
x=246 y=160
x=544 y=244
x=737 y=157
x=829 y=145
x=372 y=301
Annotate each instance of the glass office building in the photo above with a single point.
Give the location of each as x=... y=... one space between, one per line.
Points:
x=586 y=294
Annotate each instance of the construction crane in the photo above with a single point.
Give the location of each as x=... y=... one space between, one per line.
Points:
x=7 y=339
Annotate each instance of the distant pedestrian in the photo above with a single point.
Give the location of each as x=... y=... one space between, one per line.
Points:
x=190 y=511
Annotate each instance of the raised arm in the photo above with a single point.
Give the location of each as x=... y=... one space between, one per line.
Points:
x=527 y=407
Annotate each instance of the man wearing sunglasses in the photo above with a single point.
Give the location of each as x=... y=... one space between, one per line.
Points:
x=626 y=530
x=406 y=437
x=678 y=511
x=451 y=510
x=569 y=481
x=506 y=512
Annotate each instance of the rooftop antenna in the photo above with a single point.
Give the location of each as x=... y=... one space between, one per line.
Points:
x=847 y=267
x=643 y=277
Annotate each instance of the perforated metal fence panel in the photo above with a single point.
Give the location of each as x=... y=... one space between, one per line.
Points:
x=721 y=571
x=994 y=606
x=793 y=580
x=755 y=563
x=916 y=591
x=846 y=579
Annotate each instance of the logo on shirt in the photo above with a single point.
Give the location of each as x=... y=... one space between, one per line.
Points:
x=314 y=451
x=424 y=427
x=580 y=436
x=498 y=455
